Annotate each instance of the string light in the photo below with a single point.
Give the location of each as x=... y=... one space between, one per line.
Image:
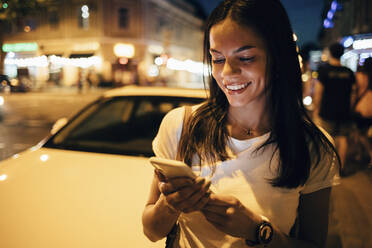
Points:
x=43 y=61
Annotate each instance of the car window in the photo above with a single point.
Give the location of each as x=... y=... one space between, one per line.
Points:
x=121 y=125
x=109 y=114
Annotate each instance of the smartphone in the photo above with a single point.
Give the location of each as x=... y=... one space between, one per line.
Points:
x=172 y=168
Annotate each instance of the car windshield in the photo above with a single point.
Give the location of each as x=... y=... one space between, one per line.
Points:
x=119 y=125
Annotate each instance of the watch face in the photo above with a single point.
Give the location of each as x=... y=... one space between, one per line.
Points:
x=265 y=232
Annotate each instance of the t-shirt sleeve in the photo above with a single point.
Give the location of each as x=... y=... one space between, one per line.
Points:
x=165 y=144
x=324 y=174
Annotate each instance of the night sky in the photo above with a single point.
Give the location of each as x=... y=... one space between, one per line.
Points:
x=305 y=16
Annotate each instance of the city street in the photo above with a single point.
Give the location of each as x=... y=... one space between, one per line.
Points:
x=29 y=117
x=351 y=207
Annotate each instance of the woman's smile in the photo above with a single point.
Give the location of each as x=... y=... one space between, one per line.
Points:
x=236 y=88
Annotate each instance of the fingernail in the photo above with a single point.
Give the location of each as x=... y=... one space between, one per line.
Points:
x=161 y=186
x=230 y=211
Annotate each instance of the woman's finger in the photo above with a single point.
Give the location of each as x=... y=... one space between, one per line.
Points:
x=174 y=185
x=198 y=205
x=198 y=194
x=160 y=176
x=189 y=195
x=223 y=200
x=181 y=198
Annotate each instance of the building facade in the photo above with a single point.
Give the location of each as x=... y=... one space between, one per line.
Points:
x=109 y=41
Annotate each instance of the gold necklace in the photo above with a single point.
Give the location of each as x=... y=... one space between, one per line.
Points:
x=246 y=131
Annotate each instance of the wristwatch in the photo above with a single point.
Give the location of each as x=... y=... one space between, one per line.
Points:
x=264 y=234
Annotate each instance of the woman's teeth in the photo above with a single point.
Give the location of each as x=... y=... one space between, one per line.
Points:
x=236 y=86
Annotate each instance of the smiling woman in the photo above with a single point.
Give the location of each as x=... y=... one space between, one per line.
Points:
x=265 y=170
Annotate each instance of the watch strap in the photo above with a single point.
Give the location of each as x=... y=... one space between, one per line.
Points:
x=264 y=234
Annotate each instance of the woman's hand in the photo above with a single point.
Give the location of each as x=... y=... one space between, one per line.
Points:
x=184 y=194
x=227 y=214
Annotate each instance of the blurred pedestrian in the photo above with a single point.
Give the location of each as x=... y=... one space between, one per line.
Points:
x=332 y=99
x=363 y=104
x=80 y=80
x=261 y=162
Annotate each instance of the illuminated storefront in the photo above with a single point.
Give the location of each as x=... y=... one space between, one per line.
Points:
x=55 y=67
x=357 y=49
x=61 y=68
x=147 y=42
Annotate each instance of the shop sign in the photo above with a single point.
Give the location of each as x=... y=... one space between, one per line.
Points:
x=20 y=47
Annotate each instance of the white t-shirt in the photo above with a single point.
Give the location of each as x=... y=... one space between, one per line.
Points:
x=244 y=177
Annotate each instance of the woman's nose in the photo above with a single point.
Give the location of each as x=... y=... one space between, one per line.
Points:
x=230 y=68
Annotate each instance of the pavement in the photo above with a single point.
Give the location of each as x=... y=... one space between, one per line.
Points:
x=350 y=223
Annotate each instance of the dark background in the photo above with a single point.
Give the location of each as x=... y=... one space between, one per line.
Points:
x=305 y=16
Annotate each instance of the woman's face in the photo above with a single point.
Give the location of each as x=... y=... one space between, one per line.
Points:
x=239 y=61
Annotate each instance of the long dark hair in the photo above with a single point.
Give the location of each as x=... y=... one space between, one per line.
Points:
x=206 y=134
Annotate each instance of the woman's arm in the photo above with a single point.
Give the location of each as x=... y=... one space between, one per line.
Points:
x=230 y=216
x=168 y=198
x=158 y=217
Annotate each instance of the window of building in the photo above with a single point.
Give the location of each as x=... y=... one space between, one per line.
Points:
x=123 y=18
x=26 y=25
x=161 y=23
x=83 y=17
x=53 y=19
x=7 y=27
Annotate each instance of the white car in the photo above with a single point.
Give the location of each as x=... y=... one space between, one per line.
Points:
x=86 y=185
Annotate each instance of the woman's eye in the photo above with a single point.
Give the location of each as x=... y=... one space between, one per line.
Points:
x=245 y=59
x=217 y=61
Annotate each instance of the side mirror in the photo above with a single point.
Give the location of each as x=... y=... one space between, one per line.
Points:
x=58 y=125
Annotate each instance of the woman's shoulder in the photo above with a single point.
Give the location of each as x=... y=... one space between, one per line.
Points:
x=166 y=141
x=176 y=115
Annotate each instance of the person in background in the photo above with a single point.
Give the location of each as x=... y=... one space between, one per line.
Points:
x=262 y=164
x=332 y=98
x=363 y=104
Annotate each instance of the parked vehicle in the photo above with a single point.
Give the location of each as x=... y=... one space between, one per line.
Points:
x=4 y=83
x=86 y=185
x=15 y=84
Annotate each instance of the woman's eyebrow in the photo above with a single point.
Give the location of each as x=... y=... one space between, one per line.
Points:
x=214 y=51
x=240 y=49
x=247 y=47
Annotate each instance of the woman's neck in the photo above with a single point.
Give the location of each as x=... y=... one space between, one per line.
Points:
x=248 y=121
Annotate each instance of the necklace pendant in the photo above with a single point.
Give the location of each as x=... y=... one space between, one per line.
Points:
x=249 y=132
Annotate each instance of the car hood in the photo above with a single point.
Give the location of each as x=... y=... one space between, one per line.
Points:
x=58 y=198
